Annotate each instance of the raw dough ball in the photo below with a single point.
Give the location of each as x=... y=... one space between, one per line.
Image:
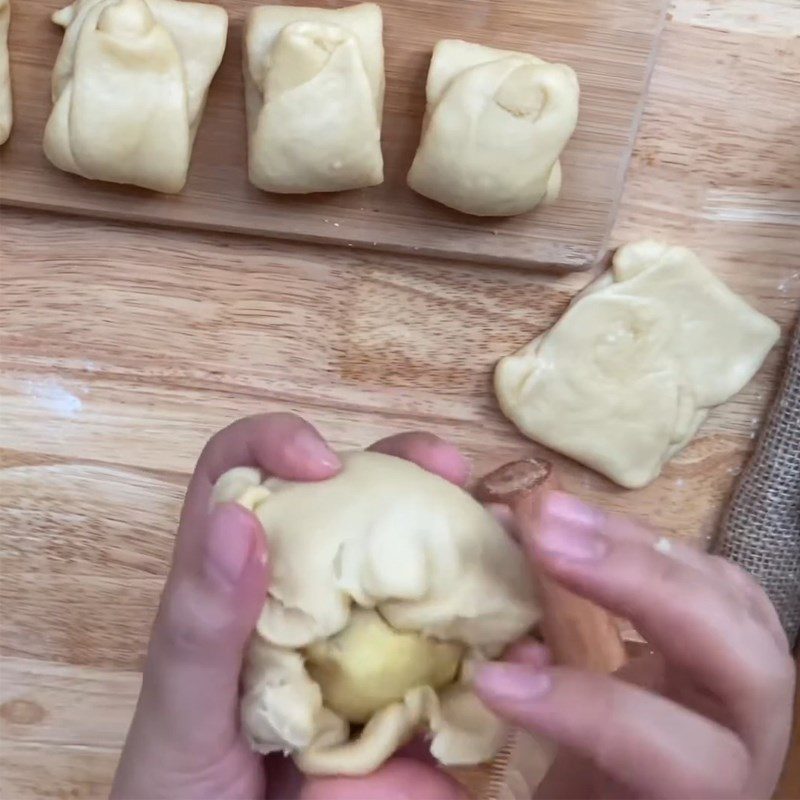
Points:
x=369 y=665
x=368 y=569
x=624 y=379
x=5 y=77
x=129 y=87
x=495 y=127
x=314 y=85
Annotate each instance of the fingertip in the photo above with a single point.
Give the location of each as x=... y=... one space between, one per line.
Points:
x=562 y=508
x=233 y=516
x=509 y=685
x=562 y=531
x=448 y=462
x=307 y=456
x=530 y=652
x=280 y=444
x=430 y=452
x=212 y=599
x=234 y=545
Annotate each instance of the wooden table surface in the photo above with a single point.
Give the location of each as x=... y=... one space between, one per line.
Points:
x=124 y=348
x=609 y=43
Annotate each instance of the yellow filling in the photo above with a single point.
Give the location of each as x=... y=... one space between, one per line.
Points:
x=369 y=665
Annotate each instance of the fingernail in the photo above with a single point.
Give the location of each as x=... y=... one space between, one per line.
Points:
x=571 y=529
x=230 y=543
x=511 y=682
x=315 y=449
x=533 y=654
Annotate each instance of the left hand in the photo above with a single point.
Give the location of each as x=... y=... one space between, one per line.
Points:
x=185 y=742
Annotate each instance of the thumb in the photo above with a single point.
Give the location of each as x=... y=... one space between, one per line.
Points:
x=208 y=610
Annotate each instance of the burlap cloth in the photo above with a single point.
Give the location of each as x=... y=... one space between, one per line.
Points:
x=761 y=532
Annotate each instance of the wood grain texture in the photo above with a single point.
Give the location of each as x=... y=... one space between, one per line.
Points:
x=124 y=348
x=610 y=43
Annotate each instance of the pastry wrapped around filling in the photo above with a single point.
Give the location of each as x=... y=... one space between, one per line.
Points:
x=388 y=583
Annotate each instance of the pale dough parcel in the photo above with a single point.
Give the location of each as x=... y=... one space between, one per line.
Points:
x=624 y=379
x=129 y=88
x=388 y=583
x=5 y=75
x=314 y=87
x=494 y=129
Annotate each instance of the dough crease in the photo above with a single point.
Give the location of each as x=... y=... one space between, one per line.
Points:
x=314 y=87
x=129 y=87
x=494 y=129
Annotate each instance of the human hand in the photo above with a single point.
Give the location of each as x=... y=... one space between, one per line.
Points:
x=185 y=742
x=705 y=714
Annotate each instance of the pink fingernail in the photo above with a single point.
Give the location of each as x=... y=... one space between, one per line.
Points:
x=230 y=543
x=571 y=529
x=534 y=654
x=512 y=682
x=315 y=449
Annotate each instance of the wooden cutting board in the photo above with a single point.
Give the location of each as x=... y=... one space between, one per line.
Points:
x=610 y=43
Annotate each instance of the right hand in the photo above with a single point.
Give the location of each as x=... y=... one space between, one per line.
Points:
x=706 y=714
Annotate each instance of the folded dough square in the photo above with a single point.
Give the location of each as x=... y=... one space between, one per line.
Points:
x=314 y=86
x=129 y=87
x=494 y=129
x=624 y=379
